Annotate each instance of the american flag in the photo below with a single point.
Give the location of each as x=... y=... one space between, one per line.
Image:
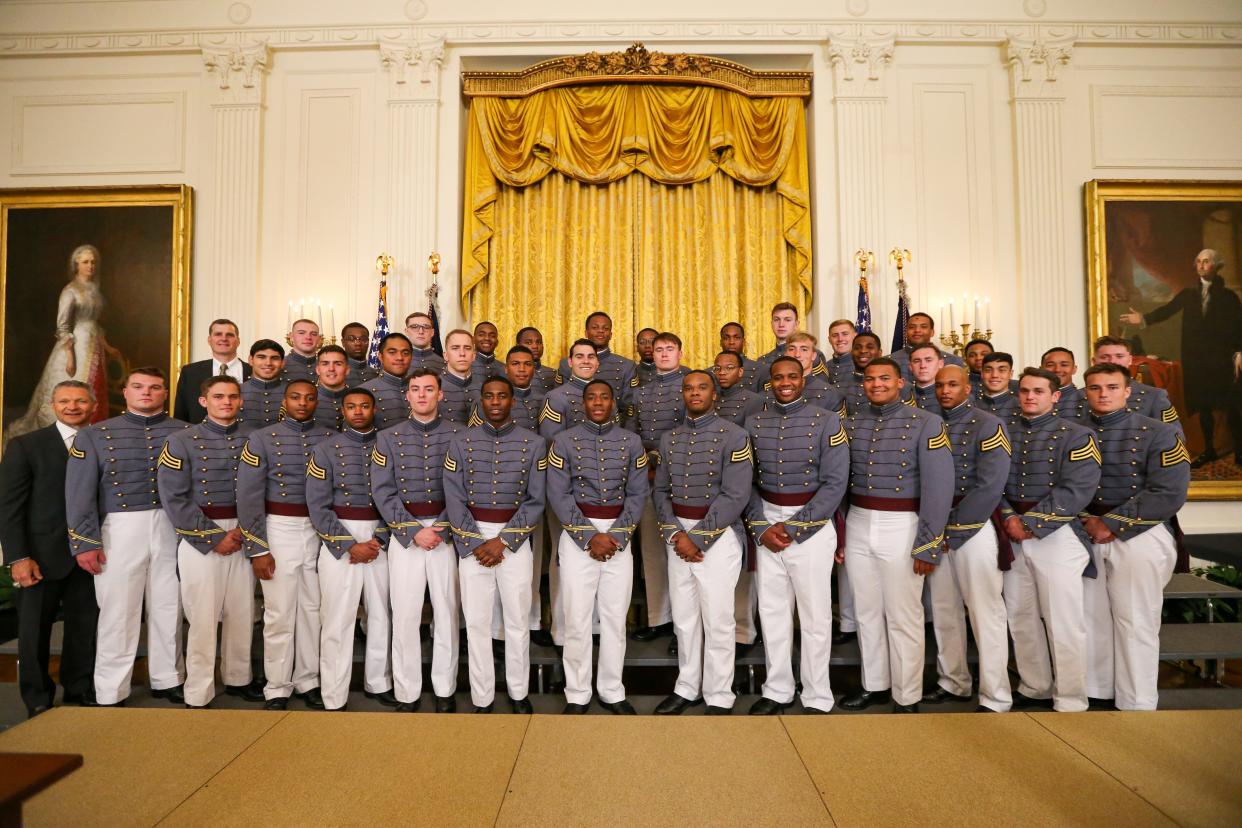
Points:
x=381 y=326
x=864 y=306
x=903 y=316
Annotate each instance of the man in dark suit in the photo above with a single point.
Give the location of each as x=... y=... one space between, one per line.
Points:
x=35 y=538
x=1211 y=346
x=223 y=339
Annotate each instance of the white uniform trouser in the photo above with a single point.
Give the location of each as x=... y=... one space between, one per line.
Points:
x=655 y=567
x=1046 y=579
x=141 y=548
x=745 y=605
x=341 y=586
x=1098 y=618
x=801 y=574
x=585 y=584
x=291 y=608
x=1138 y=571
x=216 y=589
x=413 y=571
x=479 y=585
x=701 y=595
x=537 y=539
x=845 y=599
x=968 y=579
x=888 y=601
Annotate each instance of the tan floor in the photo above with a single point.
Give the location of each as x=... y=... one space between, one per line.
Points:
x=1185 y=762
x=231 y=767
x=657 y=771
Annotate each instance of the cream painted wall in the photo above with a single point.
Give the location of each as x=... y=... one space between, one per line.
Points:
x=336 y=134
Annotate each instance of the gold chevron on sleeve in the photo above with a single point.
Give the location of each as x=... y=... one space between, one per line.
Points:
x=378 y=459
x=940 y=441
x=167 y=459
x=997 y=440
x=554 y=459
x=313 y=470
x=248 y=457
x=475 y=419
x=542 y=464
x=450 y=464
x=641 y=462
x=76 y=452
x=1175 y=455
x=840 y=438
x=910 y=402
x=1169 y=415
x=820 y=370
x=1087 y=451
x=742 y=455
x=549 y=413
x=633 y=382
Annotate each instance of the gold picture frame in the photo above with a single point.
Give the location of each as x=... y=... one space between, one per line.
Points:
x=134 y=311
x=1142 y=240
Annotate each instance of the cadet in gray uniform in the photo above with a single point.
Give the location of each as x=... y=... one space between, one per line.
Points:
x=900 y=492
x=644 y=344
x=459 y=384
x=1071 y=405
x=527 y=395
x=263 y=392
x=545 y=375
x=784 y=325
x=866 y=347
x=597 y=482
x=494 y=487
x=920 y=330
x=352 y=562
x=388 y=389
x=657 y=408
x=355 y=343
x=119 y=533
x=1143 y=483
x=420 y=331
x=972 y=355
x=1145 y=400
x=802 y=461
x=925 y=362
x=406 y=480
x=970 y=573
x=702 y=486
x=197 y=477
x=840 y=363
x=331 y=372
x=1054 y=475
x=305 y=342
x=816 y=390
x=617 y=371
x=282 y=544
x=733 y=338
x=998 y=389
x=486 y=337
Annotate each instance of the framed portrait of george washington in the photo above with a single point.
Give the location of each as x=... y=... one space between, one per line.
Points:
x=94 y=281
x=1164 y=270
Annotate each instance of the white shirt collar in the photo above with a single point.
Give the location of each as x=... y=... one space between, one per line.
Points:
x=233 y=363
x=67 y=433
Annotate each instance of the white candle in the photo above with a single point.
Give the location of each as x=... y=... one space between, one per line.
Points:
x=987 y=306
x=319 y=314
x=290 y=326
x=976 y=313
x=331 y=320
x=941 y=318
x=951 y=324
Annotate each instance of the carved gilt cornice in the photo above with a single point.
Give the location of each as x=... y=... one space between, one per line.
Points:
x=637 y=65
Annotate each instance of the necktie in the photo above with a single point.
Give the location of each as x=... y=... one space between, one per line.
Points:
x=69 y=440
x=1206 y=288
x=224 y=369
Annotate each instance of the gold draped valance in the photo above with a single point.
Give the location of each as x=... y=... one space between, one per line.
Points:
x=599 y=134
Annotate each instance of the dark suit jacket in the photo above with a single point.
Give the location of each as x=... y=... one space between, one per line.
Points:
x=185 y=406
x=32 y=502
x=1208 y=342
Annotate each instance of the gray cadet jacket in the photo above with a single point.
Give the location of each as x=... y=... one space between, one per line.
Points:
x=407 y=476
x=273 y=473
x=197 y=477
x=704 y=473
x=1054 y=474
x=600 y=469
x=391 y=406
x=338 y=487
x=981 y=460
x=1145 y=474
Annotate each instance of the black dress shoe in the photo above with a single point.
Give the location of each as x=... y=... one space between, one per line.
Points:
x=572 y=709
x=844 y=636
x=1100 y=704
x=252 y=692
x=173 y=694
x=1021 y=702
x=767 y=707
x=672 y=646
x=189 y=706
x=713 y=710
x=409 y=707
x=982 y=709
x=484 y=709
x=619 y=708
x=865 y=698
x=814 y=711
x=37 y=709
x=1203 y=459
x=521 y=706
x=386 y=698
x=542 y=638
x=312 y=697
x=940 y=696
x=906 y=708
x=446 y=704
x=278 y=703
x=675 y=705
x=91 y=701
x=652 y=633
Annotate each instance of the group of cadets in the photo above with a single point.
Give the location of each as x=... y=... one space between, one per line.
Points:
x=1023 y=505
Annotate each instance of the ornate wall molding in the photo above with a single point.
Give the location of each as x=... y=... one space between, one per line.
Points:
x=239 y=72
x=461 y=34
x=860 y=59
x=414 y=68
x=1035 y=64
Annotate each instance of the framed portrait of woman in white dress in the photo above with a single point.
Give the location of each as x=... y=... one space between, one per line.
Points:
x=94 y=281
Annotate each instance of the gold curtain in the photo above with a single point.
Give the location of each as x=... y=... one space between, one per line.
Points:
x=679 y=247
